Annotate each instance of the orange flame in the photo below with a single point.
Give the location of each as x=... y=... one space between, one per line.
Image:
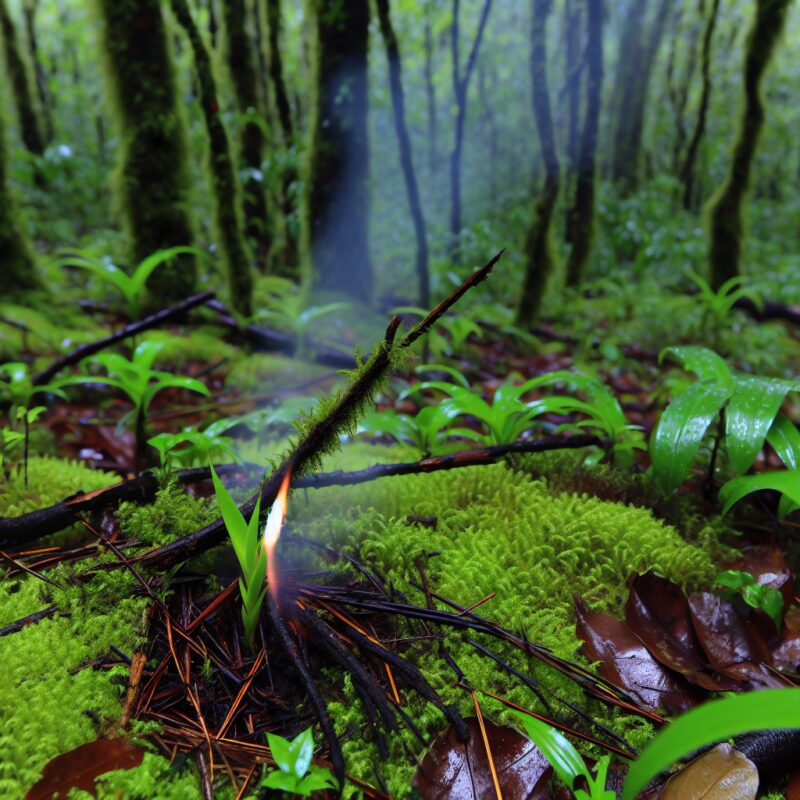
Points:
x=272 y=532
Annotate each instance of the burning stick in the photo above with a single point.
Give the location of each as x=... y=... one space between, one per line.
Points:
x=272 y=532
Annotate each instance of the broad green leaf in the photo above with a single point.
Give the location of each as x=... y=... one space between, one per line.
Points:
x=234 y=521
x=565 y=760
x=752 y=408
x=301 y=749
x=146 y=267
x=709 y=723
x=681 y=429
x=316 y=780
x=784 y=438
x=705 y=363
x=457 y=376
x=278 y=779
x=281 y=752
x=787 y=483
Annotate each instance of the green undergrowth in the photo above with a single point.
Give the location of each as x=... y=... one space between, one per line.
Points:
x=495 y=531
x=267 y=373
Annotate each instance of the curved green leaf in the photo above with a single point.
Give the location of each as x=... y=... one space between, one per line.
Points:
x=145 y=268
x=681 y=429
x=787 y=483
x=784 y=438
x=765 y=710
x=752 y=408
x=705 y=363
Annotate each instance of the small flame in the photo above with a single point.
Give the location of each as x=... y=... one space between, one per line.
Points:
x=272 y=532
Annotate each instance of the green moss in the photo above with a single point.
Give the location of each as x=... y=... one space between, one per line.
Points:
x=496 y=533
x=267 y=373
x=152 y=179
x=173 y=514
x=50 y=480
x=202 y=345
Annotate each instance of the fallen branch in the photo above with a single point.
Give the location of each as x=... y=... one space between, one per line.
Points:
x=153 y=321
x=323 y=435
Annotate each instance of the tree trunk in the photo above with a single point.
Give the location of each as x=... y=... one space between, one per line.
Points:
x=17 y=71
x=583 y=207
x=29 y=9
x=152 y=180
x=17 y=270
x=725 y=209
x=430 y=96
x=241 y=61
x=572 y=88
x=460 y=90
x=539 y=251
x=338 y=199
x=637 y=53
x=223 y=177
x=404 y=142
x=273 y=8
x=687 y=170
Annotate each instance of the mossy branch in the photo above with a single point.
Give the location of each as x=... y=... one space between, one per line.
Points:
x=319 y=433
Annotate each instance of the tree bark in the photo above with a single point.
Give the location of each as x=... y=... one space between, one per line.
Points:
x=273 y=8
x=152 y=181
x=460 y=90
x=583 y=207
x=338 y=199
x=572 y=88
x=687 y=169
x=29 y=9
x=224 y=186
x=539 y=251
x=17 y=71
x=240 y=58
x=404 y=143
x=726 y=208
x=430 y=95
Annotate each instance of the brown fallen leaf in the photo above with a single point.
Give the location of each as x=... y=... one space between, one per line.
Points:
x=657 y=611
x=625 y=661
x=454 y=770
x=80 y=767
x=733 y=646
x=720 y=774
x=786 y=656
x=793 y=789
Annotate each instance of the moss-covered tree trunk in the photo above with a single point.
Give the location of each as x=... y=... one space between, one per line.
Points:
x=19 y=79
x=17 y=271
x=277 y=82
x=726 y=208
x=152 y=179
x=583 y=207
x=637 y=54
x=338 y=168
x=29 y=10
x=539 y=252
x=221 y=168
x=242 y=63
x=406 y=155
x=687 y=168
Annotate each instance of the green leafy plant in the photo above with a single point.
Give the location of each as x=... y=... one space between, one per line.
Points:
x=250 y=552
x=769 y=709
x=755 y=594
x=427 y=430
x=295 y=772
x=18 y=390
x=717 y=306
x=192 y=446
x=787 y=483
x=137 y=379
x=746 y=406
x=566 y=761
x=131 y=287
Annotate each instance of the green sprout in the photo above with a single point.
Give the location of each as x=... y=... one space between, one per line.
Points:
x=295 y=772
x=250 y=552
x=766 y=598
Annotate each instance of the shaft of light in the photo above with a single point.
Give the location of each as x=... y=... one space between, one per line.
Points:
x=272 y=532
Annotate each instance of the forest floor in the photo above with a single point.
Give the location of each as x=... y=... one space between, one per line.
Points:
x=412 y=604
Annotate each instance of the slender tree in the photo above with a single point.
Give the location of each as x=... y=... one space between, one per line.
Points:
x=242 y=64
x=639 y=61
x=460 y=91
x=17 y=270
x=152 y=179
x=726 y=208
x=572 y=88
x=404 y=142
x=430 y=94
x=277 y=82
x=29 y=11
x=539 y=252
x=19 y=79
x=338 y=201
x=221 y=170
x=687 y=169
x=583 y=206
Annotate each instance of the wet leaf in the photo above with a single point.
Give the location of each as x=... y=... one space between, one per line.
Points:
x=657 y=611
x=734 y=647
x=454 y=770
x=625 y=661
x=786 y=656
x=793 y=790
x=720 y=774
x=79 y=768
